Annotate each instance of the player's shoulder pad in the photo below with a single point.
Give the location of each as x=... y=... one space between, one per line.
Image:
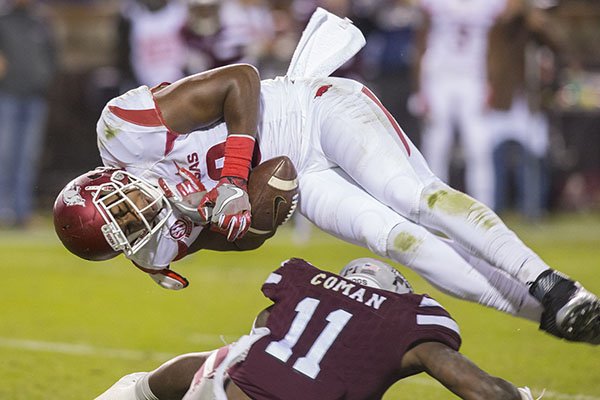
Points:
x=431 y=315
x=288 y=267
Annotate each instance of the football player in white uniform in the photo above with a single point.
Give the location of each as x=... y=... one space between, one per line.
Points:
x=360 y=179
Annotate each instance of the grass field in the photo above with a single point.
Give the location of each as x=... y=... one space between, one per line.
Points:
x=69 y=328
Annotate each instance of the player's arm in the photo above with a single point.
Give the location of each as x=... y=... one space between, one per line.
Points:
x=209 y=240
x=458 y=373
x=172 y=379
x=230 y=94
x=262 y=317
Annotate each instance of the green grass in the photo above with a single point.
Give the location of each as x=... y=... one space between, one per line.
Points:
x=69 y=329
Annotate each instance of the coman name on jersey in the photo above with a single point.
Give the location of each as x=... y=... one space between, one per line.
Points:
x=348 y=289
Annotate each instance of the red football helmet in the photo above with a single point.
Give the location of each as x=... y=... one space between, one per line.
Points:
x=85 y=224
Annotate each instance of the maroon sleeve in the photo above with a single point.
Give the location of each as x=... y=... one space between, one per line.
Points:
x=278 y=280
x=434 y=324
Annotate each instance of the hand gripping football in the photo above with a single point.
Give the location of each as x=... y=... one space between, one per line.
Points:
x=273 y=193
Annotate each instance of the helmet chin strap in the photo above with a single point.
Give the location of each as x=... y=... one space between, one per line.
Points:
x=114 y=236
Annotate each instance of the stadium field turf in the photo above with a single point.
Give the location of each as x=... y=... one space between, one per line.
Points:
x=71 y=328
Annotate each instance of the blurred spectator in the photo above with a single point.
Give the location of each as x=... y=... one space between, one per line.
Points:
x=389 y=57
x=151 y=49
x=27 y=67
x=452 y=88
x=222 y=32
x=203 y=34
x=248 y=27
x=286 y=35
x=517 y=67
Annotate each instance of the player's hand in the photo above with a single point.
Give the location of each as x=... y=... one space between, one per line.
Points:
x=526 y=394
x=169 y=279
x=186 y=195
x=227 y=207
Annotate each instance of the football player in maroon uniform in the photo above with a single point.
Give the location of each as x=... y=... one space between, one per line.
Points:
x=327 y=336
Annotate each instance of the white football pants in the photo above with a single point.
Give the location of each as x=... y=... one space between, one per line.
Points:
x=383 y=196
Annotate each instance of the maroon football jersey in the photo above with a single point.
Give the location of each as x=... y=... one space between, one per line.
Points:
x=332 y=338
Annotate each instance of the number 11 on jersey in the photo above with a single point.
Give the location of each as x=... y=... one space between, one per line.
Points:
x=309 y=364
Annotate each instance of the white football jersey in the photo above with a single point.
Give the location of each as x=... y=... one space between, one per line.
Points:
x=132 y=135
x=457 y=38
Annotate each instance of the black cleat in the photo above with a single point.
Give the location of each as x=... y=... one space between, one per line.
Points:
x=570 y=312
x=579 y=319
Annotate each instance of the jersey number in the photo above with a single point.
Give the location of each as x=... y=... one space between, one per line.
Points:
x=215 y=157
x=309 y=364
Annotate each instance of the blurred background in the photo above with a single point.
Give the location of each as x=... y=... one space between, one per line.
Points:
x=62 y=60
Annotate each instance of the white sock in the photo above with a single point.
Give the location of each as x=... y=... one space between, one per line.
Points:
x=142 y=389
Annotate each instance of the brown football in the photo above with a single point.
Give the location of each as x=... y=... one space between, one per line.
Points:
x=273 y=193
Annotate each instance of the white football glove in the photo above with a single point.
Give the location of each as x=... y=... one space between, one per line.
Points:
x=525 y=393
x=227 y=207
x=169 y=279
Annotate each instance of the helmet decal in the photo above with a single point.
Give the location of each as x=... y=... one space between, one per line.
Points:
x=72 y=196
x=180 y=229
x=376 y=273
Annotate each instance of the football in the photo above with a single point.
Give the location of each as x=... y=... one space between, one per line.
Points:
x=273 y=193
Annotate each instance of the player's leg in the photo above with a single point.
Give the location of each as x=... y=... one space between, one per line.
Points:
x=531 y=308
x=126 y=388
x=337 y=205
x=360 y=136
x=364 y=140
x=570 y=311
x=170 y=381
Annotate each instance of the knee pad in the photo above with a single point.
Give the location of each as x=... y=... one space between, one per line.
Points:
x=372 y=229
x=403 y=242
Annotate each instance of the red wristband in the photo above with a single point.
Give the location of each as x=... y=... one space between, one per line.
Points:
x=238 y=156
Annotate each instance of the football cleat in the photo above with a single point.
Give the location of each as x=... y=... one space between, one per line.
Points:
x=570 y=311
x=579 y=318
